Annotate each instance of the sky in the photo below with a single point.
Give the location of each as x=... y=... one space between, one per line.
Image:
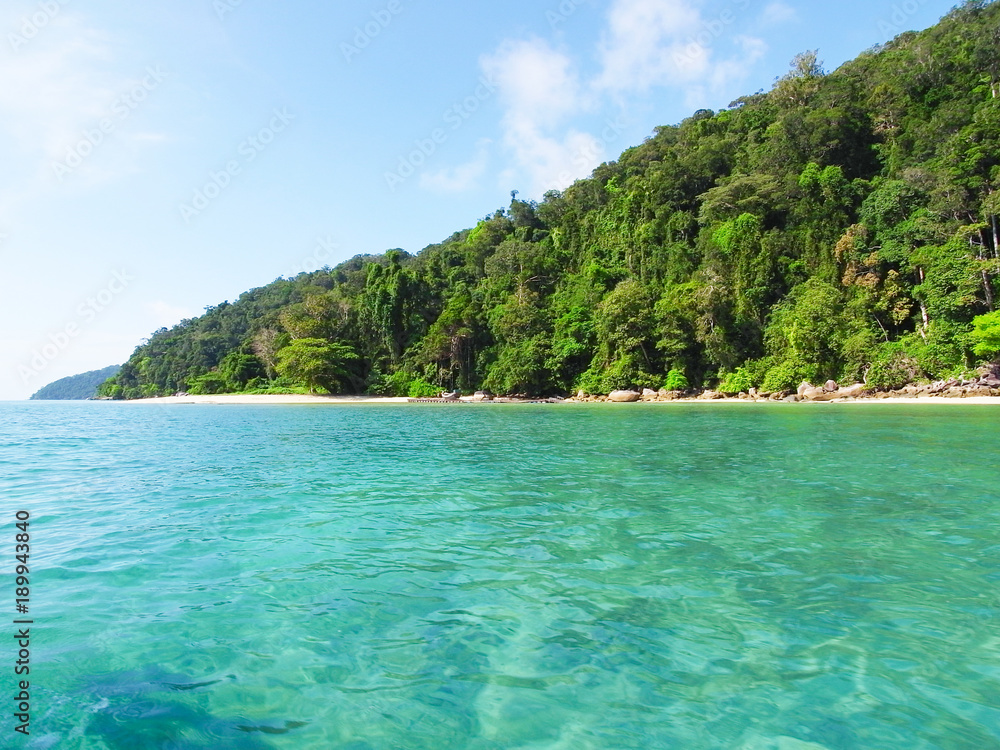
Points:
x=161 y=158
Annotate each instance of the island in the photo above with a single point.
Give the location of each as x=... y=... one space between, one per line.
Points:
x=841 y=227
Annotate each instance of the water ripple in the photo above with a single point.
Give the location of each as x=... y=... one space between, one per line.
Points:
x=699 y=577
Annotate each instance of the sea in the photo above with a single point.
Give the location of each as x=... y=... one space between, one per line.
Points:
x=557 y=577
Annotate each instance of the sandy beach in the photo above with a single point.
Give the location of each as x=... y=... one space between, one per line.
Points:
x=240 y=398
x=350 y=400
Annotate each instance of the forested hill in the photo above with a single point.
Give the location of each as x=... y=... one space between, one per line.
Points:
x=841 y=225
x=76 y=387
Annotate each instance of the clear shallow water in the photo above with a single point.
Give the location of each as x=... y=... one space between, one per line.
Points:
x=765 y=577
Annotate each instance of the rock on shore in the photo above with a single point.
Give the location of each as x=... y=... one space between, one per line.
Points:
x=624 y=397
x=830 y=391
x=983 y=384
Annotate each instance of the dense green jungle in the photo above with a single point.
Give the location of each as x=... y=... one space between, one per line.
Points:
x=842 y=225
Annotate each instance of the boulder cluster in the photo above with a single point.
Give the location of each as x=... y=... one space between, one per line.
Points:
x=985 y=383
x=628 y=397
x=954 y=388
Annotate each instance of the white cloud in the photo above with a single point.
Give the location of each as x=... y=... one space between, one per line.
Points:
x=669 y=43
x=553 y=163
x=778 y=13
x=55 y=85
x=58 y=88
x=723 y=75
x=749 y=50
x=536 y=83
x=461 y=178
x=646 y=44
x=540 y=90
x=649 y=43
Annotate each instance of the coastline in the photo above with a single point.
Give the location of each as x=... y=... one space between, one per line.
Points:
x=300 y=400
x=242 y=398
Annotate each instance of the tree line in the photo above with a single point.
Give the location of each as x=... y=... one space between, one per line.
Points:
x=842 y=225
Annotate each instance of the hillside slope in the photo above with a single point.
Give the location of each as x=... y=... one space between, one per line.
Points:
x=76 y=387
x=842 y=225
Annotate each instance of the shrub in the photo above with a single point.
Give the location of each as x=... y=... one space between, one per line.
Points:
x=397 y=384
x=893 y=367
x=420 y=388
x=945 y=350
x=858 y=351
x=255 y=384
x=208 y=384
x=622 y=374
x=590 y=382
x=986 y=335
x=786 y=376
x=278 y=386
x=403 y=384
x=110 y=389
x=676 y=381
x=740 y=381
x=750 y=375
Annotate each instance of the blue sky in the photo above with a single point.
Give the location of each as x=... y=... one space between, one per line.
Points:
x=161 y=158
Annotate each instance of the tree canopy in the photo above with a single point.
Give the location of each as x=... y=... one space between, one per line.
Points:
x=835 y=226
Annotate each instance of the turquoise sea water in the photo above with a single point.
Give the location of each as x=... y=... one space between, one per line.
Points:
x=752 y=577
